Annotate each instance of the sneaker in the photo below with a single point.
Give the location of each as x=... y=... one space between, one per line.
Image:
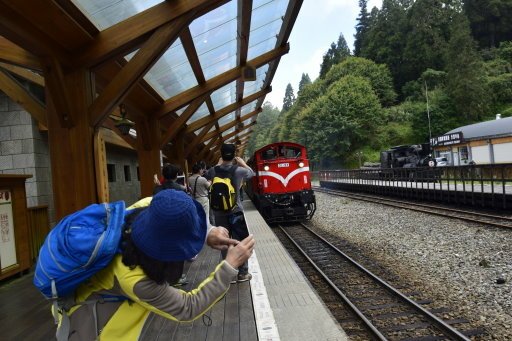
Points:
x=244 y=277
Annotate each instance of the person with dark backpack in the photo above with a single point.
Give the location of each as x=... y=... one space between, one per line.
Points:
x=225 y=204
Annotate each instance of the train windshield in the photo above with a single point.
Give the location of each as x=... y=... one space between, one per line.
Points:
x=275 y=152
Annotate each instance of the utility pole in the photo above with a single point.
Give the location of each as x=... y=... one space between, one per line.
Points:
x=428 y=113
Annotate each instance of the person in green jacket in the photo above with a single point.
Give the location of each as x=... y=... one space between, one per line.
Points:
x=156 y=241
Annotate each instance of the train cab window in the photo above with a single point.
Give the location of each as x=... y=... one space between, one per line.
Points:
x=268 y=154
x=289 y=152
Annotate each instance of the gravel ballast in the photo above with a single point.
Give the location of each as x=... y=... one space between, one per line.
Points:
x=456 y=263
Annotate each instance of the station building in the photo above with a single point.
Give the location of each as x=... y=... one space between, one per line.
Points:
x=488 y=142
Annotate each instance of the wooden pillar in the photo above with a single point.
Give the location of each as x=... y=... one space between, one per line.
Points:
x=148 y=151
x=70 y=138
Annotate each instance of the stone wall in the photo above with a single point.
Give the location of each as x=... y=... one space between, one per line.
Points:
x=122 y=188
x=24 y=150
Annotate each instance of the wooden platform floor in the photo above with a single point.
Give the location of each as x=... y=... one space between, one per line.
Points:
x=25 y=314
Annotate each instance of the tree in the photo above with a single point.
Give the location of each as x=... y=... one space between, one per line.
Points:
x=266 y=120
x=362 y=26
x=467 y=83
x=289 y=98
x=385 y=39
x=490 y=20
x=336 y=53
x=304 y=80
x=342 y=120
x=378 y=76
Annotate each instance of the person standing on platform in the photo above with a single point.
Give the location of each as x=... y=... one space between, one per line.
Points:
x=156 y=241
x=170 y=173
x=234 y=219
x=199 y=187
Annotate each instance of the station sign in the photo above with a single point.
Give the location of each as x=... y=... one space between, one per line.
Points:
x=447 y=139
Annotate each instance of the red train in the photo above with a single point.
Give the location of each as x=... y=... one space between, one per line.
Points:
x=281 y=189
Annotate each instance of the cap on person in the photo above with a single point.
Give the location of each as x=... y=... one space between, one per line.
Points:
x=227 y=151
x=171 y=228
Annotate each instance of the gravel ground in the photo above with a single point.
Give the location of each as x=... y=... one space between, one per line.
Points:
x=450 y=260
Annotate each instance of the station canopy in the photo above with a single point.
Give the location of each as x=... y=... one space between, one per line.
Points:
x=200 y=68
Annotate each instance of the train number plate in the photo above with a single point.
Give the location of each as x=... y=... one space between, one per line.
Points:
x=282 y=165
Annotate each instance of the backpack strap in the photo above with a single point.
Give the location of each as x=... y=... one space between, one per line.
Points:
x=195 y=186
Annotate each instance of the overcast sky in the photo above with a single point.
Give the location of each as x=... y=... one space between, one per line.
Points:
x=319 y=23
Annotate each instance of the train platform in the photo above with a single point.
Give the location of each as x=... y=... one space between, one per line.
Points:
x=277 y=304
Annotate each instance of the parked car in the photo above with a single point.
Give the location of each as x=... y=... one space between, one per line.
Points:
x=441 y=162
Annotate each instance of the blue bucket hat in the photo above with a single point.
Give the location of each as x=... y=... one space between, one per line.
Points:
x=171 y=228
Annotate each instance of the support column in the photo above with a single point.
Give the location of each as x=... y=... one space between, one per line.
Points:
x=70 y=138
x=148 y=151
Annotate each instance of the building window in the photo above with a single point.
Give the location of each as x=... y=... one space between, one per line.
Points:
x=111 y=170
x=138 y=174
x=463 y=151
x=127 y=175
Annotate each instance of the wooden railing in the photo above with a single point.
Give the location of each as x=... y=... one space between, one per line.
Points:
x=38 y=226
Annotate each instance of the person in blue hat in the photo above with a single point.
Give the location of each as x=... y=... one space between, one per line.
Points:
x=156 y=241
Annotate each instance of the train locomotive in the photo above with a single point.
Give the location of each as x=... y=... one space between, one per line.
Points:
x=281 y=189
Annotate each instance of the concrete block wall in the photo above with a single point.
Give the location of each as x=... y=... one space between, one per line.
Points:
x=121 y=189
x=24 y=150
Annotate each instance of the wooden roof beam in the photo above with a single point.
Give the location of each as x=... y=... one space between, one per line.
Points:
x=231 y=124
x=23 y=73
x=228 y=136
x=198 y=139
x=176 y=126
x=226 y=110
x=217 y=82
x=26 y=35
x=243 y=30
x=127 y=35
x=136 y=68
x=11 y=53
x=12 y=88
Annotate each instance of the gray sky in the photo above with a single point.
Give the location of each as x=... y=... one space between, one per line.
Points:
x=318 y=24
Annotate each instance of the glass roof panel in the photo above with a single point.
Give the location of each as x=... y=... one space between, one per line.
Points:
x=248 y=108
x=212 y=129
x=255 y=86
x=229 y=131
x=214 y=36
x=172 y=73
x=224 y=96
x=107 y=13
x=227 y=119
x=266 y=23
x=200 y=113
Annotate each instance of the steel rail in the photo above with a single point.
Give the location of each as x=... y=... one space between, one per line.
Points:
x=406 y=205
x=347 y=301
x=443 y=326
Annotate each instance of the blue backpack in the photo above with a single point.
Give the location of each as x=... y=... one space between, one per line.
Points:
x=80 y=245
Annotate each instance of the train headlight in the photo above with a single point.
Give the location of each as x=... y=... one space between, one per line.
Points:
x=301 y=164
x=266 y=167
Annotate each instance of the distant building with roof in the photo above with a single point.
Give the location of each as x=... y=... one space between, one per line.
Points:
x=487 y=142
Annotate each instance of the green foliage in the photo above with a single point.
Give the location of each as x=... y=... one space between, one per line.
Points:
x=260 y=136
x=491 y=20
x=289 y=98
x=341 y=120
x=304 y=80
x=362 y=26
x=335 y=54
x=466 y=74
x=378 y=75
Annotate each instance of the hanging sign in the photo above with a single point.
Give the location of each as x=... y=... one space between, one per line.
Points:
x=447 y=139
x=7 y=242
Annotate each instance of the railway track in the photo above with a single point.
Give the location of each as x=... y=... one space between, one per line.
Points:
x=385 y=312
x=470 y=216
